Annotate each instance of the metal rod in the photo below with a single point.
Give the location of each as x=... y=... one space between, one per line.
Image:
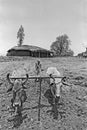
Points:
x=39 y=103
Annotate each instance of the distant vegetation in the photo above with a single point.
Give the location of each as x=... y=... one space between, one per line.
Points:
x=61 y=46
x=20 y=35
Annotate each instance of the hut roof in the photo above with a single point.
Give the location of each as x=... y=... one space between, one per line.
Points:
x=28 y=47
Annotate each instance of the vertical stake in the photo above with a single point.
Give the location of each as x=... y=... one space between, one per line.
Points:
x=39 y=103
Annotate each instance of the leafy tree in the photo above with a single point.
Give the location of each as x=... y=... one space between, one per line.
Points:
x=61 y=46
x=20 y=35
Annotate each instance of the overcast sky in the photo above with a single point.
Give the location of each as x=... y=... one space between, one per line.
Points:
x=43 y=21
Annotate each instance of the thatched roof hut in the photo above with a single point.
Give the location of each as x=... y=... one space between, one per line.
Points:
x=28 y=50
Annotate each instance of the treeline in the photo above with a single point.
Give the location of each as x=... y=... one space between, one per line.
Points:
x=60 y=47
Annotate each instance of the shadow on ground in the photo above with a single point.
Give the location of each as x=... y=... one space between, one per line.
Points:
x=17 y=120
x=53 y=112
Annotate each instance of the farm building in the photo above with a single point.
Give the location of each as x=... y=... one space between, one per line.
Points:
x=28 y=50
x=83 y=54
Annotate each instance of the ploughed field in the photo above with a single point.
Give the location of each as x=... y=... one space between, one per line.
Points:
x=71 y=114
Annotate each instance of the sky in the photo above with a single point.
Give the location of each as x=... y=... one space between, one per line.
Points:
x=43 y=21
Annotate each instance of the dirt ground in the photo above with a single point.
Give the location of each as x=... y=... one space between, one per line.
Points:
x=71 y=114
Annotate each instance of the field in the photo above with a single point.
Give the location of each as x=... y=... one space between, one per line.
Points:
x=72 y=112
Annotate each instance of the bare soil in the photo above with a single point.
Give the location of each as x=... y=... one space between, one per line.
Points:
x=71 y=114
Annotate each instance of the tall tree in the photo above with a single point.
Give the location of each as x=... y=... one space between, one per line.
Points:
x=61 y=46
x=20 y=35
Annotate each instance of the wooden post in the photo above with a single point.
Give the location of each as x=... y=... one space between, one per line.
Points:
x=34 y=77
x=39 y=103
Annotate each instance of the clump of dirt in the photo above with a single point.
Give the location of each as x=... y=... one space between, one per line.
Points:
x=79 y=78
